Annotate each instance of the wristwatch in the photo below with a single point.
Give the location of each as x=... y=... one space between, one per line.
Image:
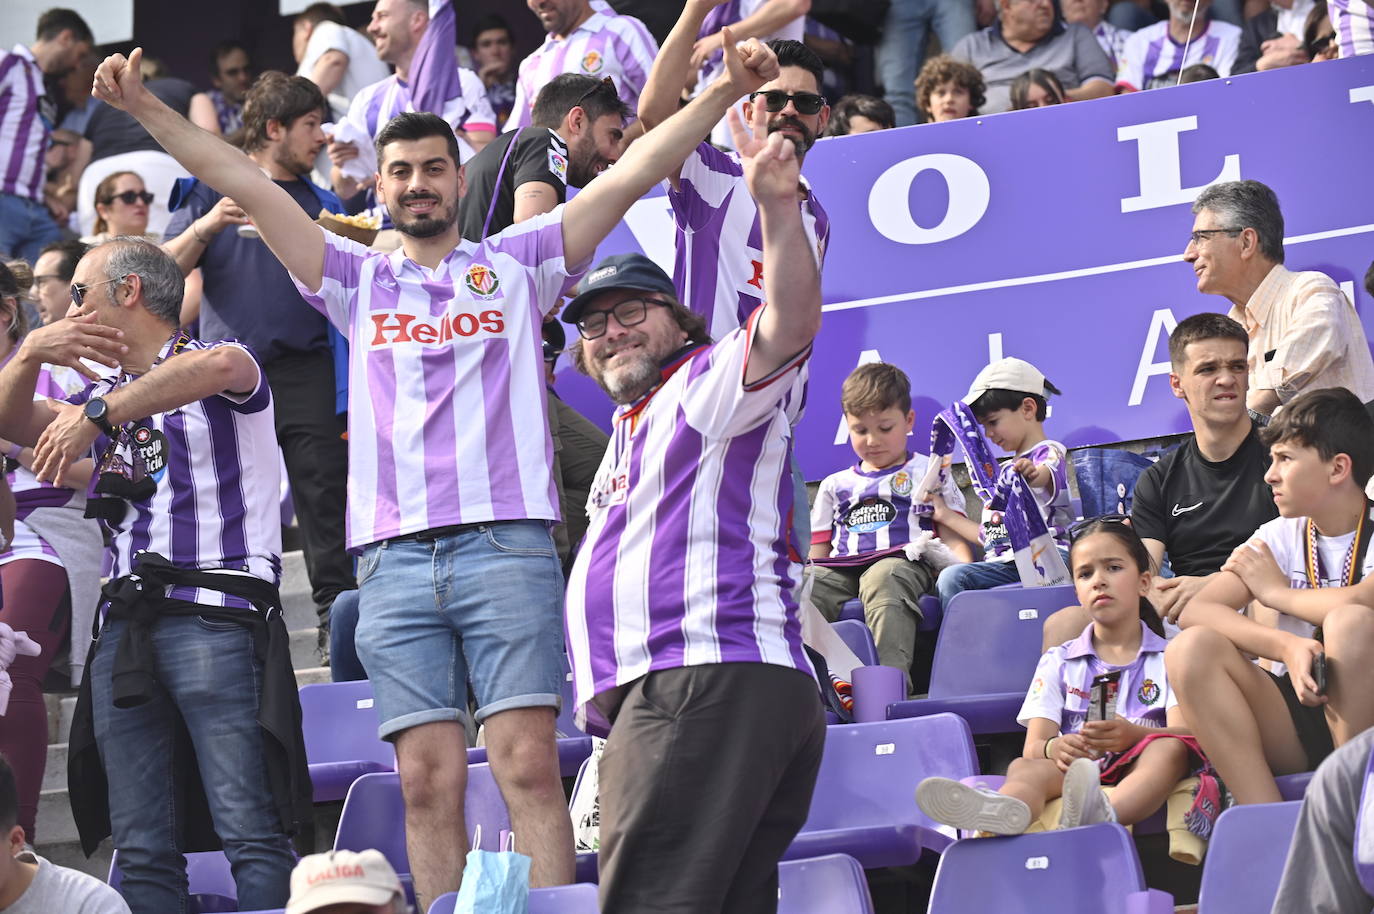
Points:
x=98 y=411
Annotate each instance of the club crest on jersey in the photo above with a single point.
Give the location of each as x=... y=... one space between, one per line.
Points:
x=869 y=515
x=1148 y=693
x=481 y=280
x=592 y=63
x=901 y=483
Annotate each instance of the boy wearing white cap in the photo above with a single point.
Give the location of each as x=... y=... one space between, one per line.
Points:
x=344 y=882
x=1008 y=398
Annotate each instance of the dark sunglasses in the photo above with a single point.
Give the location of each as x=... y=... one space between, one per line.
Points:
x=774 y=100
x=130 y=196
x=606 y=83
x=79 y=290
x=1078 y=527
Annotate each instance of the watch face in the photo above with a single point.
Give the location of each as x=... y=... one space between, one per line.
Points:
x=95 y=410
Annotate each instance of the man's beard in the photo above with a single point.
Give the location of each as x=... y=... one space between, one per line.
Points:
x=423 y=226
x=630 y=381
x=295 y=166
x=582 y=162
x=803 y=142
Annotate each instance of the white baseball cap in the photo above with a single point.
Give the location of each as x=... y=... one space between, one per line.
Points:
x=1008 y=374
x=341 y=877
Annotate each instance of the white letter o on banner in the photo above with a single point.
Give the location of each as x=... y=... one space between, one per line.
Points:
x=969 y=193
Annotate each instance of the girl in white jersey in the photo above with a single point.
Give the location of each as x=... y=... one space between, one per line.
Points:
x=1066 y=755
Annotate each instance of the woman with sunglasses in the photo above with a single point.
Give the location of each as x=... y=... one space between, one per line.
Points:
x=50 y=567
x=122 y=204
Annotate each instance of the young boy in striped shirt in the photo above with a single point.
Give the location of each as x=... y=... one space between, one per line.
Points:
x=865 y=516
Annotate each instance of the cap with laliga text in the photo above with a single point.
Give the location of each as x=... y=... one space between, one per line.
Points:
x=1008 y=374
x=619 y=271
x=342 y=877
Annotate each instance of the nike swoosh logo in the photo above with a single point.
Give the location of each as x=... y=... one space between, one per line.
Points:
x=1178 y=510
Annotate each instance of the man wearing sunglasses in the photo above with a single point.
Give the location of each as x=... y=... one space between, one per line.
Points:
x=450 y=494
x=683 y=626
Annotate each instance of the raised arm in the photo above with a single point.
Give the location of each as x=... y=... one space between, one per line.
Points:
x=288 y=231
x=591 y=215
x=672 y=67
x=791 y=316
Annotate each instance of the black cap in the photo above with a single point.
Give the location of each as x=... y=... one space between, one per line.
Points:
x=619 y=271
x=555 y=340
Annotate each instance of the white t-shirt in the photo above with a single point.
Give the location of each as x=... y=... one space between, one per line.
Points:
x=364 y=67
x=58 y=890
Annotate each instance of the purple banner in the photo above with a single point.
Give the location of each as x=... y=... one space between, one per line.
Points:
x=1056 y=235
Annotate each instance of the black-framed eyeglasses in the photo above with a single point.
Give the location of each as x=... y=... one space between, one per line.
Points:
x=1320 y=43
x=627 y=313
x=1200 y=235
x=1077 y=527
x=606 y=83
x=79 y=289
x=774 y=100
x=129 y=197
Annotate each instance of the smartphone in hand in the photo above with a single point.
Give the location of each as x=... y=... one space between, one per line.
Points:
x=1319 y=672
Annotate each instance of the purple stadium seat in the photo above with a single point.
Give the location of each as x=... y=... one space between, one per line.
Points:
x=574 y=746
x=210 y=881
x=1075 y=871
x=856 y=635
x=833 y=884
x=1245 y=858
x=930 y=612
x=563 y=899
x=864 y=803
x=341 y=742
x=988 y=647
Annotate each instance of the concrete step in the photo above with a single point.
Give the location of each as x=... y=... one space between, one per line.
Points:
x=55 y=774
x=55 y=824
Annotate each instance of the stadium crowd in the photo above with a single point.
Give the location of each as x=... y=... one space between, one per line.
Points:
x=364 y=272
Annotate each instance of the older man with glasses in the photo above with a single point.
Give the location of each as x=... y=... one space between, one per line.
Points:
x=1304 y=333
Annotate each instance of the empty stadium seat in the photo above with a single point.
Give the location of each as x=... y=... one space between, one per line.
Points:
x=833 y=884
x=208 y=876
x=1085 y=870
x=1245 y=858
x=341 y=742
x=562 y=899
x=864 y=803
x=986 y=654
x=856 y=635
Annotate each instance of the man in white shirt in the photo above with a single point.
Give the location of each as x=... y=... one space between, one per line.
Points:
x=338 y=59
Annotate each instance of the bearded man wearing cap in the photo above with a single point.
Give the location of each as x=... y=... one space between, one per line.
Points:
x=345 y=882
x=682 y=622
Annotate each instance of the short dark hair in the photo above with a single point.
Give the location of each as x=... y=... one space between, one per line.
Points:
x=566 y=91
x=993 y=400
x=281 y=98
x=875 y=109
x=1021 y=86
x=795 y=54
x=72 y=251
x=691 y=323
x=489 y=22
x=9 y=796
x=1206 y=326
x=1331 y=421
x=416 y=125
x=1369 y=279
x=58 y=20
x=223 y=50
x=1247 y=205
x=316 y=13
x=1197 y=73
x=942 y=69
x=875 y=387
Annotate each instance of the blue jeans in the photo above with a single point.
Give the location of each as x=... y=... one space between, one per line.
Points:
x=208 y=675
x=344 y=665
x=484 y=604
x=978 y=576
x=903 y=46
x=25 y=227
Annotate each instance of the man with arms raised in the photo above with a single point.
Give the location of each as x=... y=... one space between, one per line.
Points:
x=683 y=623
x=450 y=495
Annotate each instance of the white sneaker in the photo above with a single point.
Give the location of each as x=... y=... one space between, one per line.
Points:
x=1084 y=801
x=972 y=808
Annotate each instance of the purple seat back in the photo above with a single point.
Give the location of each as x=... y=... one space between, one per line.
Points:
x=374 y=815
x=1075 y=871
x=341 y=742
x=833 y=884
x=1245 y=858
x=856 y=635
x=562 y=899
x=990 y=639
x=869 y=771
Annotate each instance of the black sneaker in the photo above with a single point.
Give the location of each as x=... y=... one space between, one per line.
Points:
x=322 y=645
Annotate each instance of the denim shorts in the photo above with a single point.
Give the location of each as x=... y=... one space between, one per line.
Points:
x=481 y=605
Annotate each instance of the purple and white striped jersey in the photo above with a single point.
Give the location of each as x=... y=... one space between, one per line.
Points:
x=685 y=559
x=380 y=102
x=863 y=514
x=718 y=264
x=217 y=502
x=26 y=122
x=1112 y=40
x=55 y=382
x=446 y=379
x=607 y=44
x=1054 y=503
x=1152 y=52
x=1353 y=21
x=229 y=115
